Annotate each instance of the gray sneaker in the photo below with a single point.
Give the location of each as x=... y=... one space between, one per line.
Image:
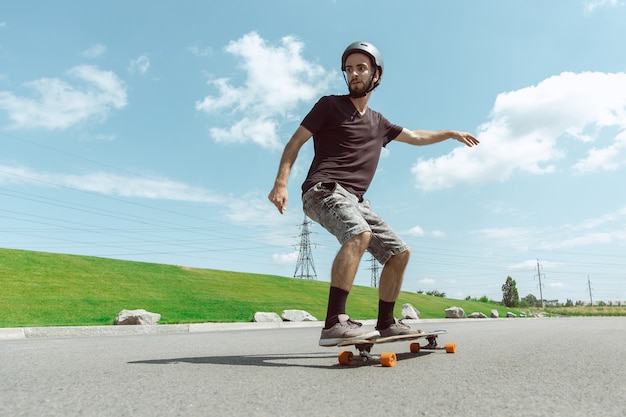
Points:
x=344 y=331
x=398 y=329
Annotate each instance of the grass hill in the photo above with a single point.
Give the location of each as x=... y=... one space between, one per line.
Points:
x=44 y=289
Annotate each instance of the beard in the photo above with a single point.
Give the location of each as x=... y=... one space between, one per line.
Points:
x=359 y=89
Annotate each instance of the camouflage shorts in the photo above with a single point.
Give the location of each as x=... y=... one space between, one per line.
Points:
x=344 y=216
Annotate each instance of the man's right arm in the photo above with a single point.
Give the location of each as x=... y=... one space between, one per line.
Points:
x=278 y=196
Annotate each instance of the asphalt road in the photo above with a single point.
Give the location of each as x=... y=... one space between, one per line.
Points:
x=504 y=367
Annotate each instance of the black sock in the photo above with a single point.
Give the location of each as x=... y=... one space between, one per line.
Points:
x=385 y=314
x=336 y=305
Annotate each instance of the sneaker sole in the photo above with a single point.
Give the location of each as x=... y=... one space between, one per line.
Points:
x=384 y=339
x=343 y=341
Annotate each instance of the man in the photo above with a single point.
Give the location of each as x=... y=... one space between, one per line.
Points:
x=348 y=138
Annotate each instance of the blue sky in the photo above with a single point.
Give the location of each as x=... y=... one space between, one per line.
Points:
x=151 y=131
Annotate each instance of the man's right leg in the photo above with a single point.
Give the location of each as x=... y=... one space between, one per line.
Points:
x=342 y=275
x=339 y=212
x=338 y=325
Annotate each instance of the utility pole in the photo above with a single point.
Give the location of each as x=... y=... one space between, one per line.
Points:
x=374 y=267
x=540 y=285
x=305 y=264
x=590 y=296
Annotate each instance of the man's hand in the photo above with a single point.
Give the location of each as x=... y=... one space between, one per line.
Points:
x=278 y=197
x=466 y=138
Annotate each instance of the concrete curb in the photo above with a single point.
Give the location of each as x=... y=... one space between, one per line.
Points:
x=129 y=330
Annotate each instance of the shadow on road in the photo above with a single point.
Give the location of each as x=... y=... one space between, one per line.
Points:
x=302 y=360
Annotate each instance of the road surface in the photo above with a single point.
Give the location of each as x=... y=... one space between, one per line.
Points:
x=503 y=367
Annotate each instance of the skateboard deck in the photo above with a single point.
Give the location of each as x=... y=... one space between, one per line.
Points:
x=389 y=359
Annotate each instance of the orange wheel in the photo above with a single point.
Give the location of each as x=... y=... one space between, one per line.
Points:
x=388 y=359
x=346 y=358
x=451 y=347
x=415 y=347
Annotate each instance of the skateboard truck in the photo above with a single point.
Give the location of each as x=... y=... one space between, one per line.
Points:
x=389 y=359
x=432 y=343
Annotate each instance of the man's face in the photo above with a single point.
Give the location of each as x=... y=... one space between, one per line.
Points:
x=359 y=72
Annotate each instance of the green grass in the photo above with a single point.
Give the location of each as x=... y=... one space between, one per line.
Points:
x=587 y=311
x=44 y=289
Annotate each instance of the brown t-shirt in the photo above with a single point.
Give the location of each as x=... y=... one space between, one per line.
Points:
x=347 y=145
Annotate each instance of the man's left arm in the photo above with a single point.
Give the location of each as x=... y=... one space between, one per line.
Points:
x=428 y=137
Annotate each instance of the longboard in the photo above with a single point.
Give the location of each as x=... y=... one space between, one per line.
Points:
x=389 y=359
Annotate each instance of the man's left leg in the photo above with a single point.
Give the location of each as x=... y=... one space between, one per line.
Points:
x=390 y=285
x=391 y=251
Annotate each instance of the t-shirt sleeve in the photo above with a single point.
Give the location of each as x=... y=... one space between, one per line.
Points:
x=393 y=131
x=316 y=118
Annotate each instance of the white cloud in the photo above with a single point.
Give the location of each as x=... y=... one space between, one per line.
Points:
x=531 y=264
x=277 y=80
x=609 y=158
x=592 y=5
x=139 y=65
x=527 y=126
x=607 y=229
x=415 y=231
x=612 y=237
x=285 y=258
x=262 y=131
x=438 y=234
x=526 y=265
x=611 y=217
x=95 y=51
x=99 y=137
x=111 y=184
x=251 y=209
x=427 y=281
x=503 y=233
x=200 y=51
x=510 y=237
x=57 y=104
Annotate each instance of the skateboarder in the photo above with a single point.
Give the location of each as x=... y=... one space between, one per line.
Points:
x=348 y=138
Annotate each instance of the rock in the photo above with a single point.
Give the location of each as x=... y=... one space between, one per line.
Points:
x=409 y=312
x=455 y=313
x=495 y=314
x=511 y=315
x=297 y=315
x=477 y=315
x=262 y=317
x=142 y=317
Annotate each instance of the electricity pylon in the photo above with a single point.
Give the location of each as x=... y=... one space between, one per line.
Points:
x=374 y=267
x=305 y=268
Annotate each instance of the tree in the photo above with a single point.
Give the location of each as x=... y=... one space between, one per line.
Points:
x=531 y=301
x=436 y=293
x=510 y=297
